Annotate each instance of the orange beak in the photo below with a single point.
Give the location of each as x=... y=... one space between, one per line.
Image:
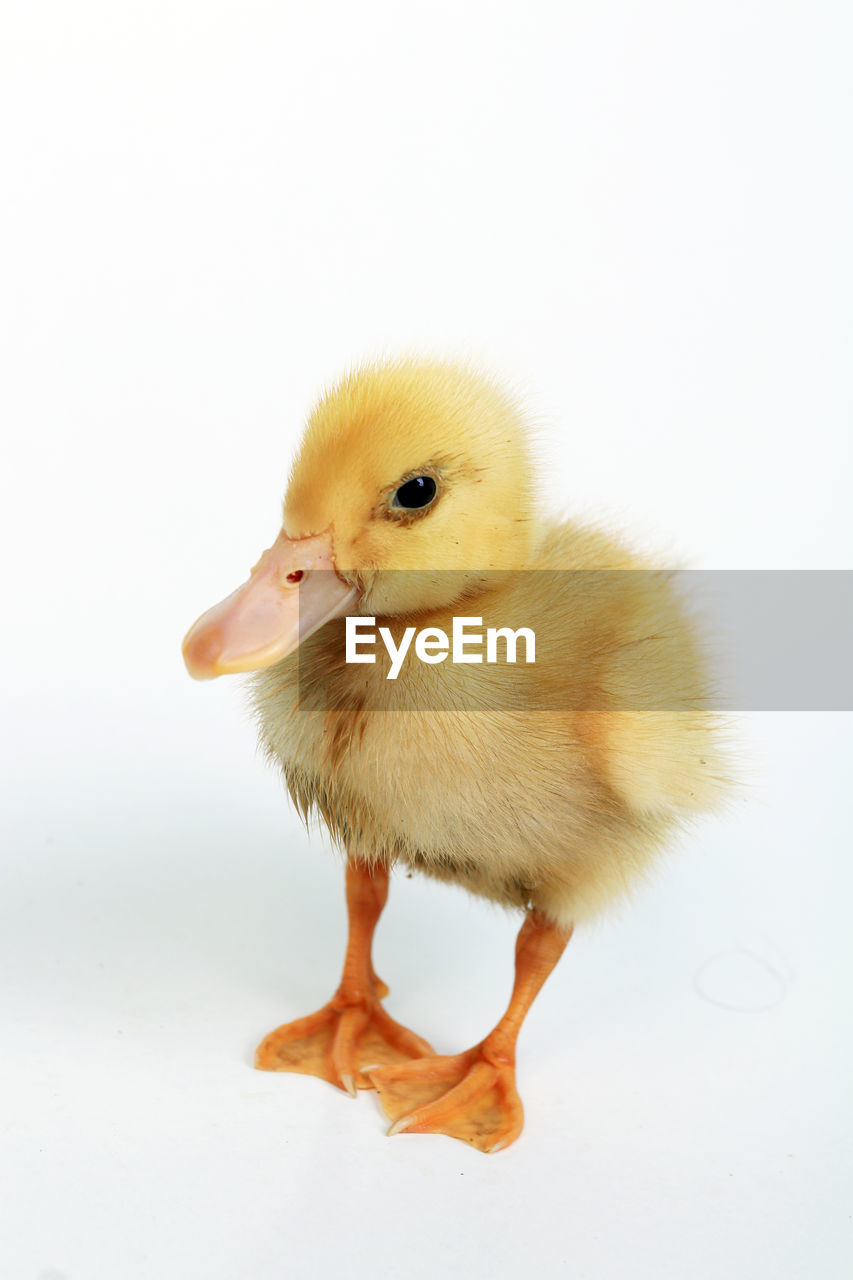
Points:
x=292 y=591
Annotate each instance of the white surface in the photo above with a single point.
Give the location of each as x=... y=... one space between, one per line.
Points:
x=642 y=213
x=686 y=1071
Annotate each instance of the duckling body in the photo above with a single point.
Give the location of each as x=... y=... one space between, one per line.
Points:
x=550 y=784
x=546 y=786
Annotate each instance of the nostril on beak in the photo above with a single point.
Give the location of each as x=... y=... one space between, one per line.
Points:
x=296 y=576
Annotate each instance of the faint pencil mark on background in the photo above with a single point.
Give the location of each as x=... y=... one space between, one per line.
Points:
x=743 y=979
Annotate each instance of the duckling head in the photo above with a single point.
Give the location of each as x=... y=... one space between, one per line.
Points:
x=412 y=489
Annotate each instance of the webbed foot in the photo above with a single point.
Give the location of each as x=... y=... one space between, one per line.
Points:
x=469 y=1096
x=335 y=1042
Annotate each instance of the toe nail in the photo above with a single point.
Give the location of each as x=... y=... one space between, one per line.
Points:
x=349 y=1085
x=399 y=1126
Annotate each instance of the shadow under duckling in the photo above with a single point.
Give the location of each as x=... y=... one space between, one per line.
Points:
x=546 y=786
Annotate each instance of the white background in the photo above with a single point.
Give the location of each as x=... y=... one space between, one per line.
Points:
x=641 y=214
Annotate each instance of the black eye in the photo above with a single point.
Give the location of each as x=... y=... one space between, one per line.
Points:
x=415 y=493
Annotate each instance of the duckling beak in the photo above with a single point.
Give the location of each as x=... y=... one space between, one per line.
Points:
x=292 y=591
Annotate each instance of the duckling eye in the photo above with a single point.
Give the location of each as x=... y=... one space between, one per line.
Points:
x=415 y=493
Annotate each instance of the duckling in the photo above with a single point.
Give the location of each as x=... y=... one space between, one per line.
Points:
x=548 y=786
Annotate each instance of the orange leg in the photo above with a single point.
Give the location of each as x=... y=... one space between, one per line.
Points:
x=472 y=1095
x=353 y=1028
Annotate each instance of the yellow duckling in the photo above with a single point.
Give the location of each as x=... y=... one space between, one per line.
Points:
x=546 y=784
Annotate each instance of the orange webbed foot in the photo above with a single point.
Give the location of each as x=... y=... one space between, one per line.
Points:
x=466 y=1096
x=335 y=1042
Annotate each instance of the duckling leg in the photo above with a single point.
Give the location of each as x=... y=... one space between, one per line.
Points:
x=472 y=1096
x=352 y=1028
